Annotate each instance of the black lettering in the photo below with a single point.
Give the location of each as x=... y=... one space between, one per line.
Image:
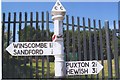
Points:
x=84 y=71
x=86 y=64
x=67 y=64
x=30 y=45
x=93 y=64
x=15 y=52
x=24 y=45
x=71 y=71
x=15 y=45
x=76 y=71
x=94 y=70
x=75 y=65
x=45 y=45
x=82 y=64
x=33 y=45
x=33 y=52
x=41 y=51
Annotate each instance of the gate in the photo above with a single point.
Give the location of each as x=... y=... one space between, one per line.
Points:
x=84 y=40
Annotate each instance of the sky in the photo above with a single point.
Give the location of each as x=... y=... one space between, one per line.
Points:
x=93 y=10
x=60 y=0
x=118 y=11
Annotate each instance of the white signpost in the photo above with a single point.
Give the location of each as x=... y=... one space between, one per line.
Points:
x=55 y=48
x=30 y=48
x=58 y=13
x=83 y=67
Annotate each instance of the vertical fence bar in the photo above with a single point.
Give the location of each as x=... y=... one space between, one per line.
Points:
x=95 y=42
x=48 y=35
x=108 y=50
x=14 y=35
x=20 y=24
x=25 y=26
x=67 y=37
x=90 y=41
x=31 y=33
x=36 y=57
x=8 y=41
x=84 y=42
x=14 y=27
x=116 y=56
x=79 y=44
x=8 y=34
x=3 y=36
x=73 y=39
x=101 y=47
x=119 y=45
x=119 y=27
x=25 y=39
x=42 y=34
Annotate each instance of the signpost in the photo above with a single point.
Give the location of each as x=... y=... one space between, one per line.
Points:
x=56 y=49
x=58 y=13
x=30 y=48
x=83 y=67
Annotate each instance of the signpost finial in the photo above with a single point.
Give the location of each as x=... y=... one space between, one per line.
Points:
x=58 y=9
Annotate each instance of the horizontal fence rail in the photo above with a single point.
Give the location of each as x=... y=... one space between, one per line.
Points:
x=84 y=40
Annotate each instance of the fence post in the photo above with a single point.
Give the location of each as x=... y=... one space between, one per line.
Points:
x=108 y=49
x=58 y=13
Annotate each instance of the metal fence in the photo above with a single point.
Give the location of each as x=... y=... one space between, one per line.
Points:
x=84 y=39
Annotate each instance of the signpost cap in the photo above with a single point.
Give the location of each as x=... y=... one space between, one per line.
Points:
x=58 y=9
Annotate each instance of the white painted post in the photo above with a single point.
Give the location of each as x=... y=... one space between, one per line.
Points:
x=58 y=13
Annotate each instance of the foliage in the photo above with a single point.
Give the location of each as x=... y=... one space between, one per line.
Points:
x=29 y=33
x=87 y=34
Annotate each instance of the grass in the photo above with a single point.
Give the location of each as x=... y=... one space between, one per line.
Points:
x=52 y=69
x=106 y=68
x=40 y=68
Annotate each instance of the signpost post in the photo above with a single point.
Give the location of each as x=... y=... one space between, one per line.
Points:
x=58 y=13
